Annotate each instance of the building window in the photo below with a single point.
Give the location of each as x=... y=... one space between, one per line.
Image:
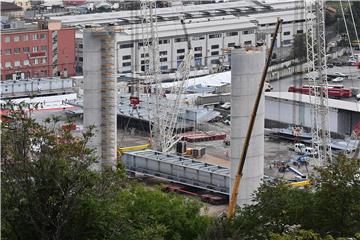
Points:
x=25 y=37
x=287 y=33
x=35 y=49
x=7 y=39
x=231 y=44
x=299 y=31
x=163 y=53
x=218 y=35
x=287 y=42
x=165 y=67
x=43 y=48
x=126 y=64
x=216 y=53
x=248 y=32
x=80 y=59
x=247 y=42
x=142 y=55
x=16 y=50
x=163 y=59
x=35 y=37
x=197 y=55
x=197 y=48
x=215 y=46
x=42 y=36
x=126 y=57
x=16 y=38
x=127 y=45
x=26 y=49
x=7 y=64
x=81 y=46
x=180 y=50
x=43 y=60
x=181 y=57
x=26 y=62
x=164 y=41
x=180 y=40
x=7 y=51
x=17 y=63
x=194 y=38
x=228 y=34
x=215 y=61
x=36 y=61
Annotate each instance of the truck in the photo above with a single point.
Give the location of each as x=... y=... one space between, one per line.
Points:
x=335 y=91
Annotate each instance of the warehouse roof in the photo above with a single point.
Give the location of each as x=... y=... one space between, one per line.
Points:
x=297 y=97
x=236 y=8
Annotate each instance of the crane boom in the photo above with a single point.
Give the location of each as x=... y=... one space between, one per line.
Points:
x=316 y=60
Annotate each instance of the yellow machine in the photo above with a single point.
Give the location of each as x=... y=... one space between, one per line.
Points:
x=300 y=184
x=133 y=148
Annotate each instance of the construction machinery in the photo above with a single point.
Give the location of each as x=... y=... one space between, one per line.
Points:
x=166 y=111
x=319 y=96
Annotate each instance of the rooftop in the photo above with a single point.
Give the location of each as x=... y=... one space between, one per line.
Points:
x=8 y=6
x=236 y=8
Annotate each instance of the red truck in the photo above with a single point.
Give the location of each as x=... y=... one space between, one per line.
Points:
x=335 y=91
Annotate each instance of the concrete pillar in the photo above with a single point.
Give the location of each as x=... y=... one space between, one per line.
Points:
x=100 y=105
x=246 y=69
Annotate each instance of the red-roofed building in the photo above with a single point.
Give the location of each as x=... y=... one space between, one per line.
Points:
x=37 y=50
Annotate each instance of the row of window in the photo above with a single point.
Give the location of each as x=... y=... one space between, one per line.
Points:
x=288 y=33
x=26 y=62
x=18 y=38
x=25 y=50
x=194 y=38
x=179 y=51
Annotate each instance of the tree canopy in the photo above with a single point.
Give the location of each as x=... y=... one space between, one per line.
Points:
x=50 y=192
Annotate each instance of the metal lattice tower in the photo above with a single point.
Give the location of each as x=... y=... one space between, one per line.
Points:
x=165 y=112
x=316 y=59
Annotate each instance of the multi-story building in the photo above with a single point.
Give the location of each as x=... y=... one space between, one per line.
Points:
x=37 y=50
x=213 y=29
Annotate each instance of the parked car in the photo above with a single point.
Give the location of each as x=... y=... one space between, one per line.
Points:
x=330 y=65
x=339 y=74
x=226 y=105
x=358 y=97
x=338 y=79
x=268 y=87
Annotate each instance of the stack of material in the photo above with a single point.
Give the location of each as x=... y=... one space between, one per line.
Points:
x=198 y=152
x=202 y=136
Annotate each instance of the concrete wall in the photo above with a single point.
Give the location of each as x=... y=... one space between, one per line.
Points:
x=292 y=112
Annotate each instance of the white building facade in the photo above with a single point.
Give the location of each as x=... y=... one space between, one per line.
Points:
x=213 y=29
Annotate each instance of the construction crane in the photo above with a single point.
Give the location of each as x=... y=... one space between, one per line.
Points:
x=316 y=61
x=165 y=112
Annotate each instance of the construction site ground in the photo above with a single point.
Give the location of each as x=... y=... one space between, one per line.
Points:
x=216 y=151
x=219 y=154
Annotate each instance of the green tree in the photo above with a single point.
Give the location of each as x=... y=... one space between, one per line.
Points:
x=331 y=207
x=49 y=191
x=338 y=196
x=299 y=46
